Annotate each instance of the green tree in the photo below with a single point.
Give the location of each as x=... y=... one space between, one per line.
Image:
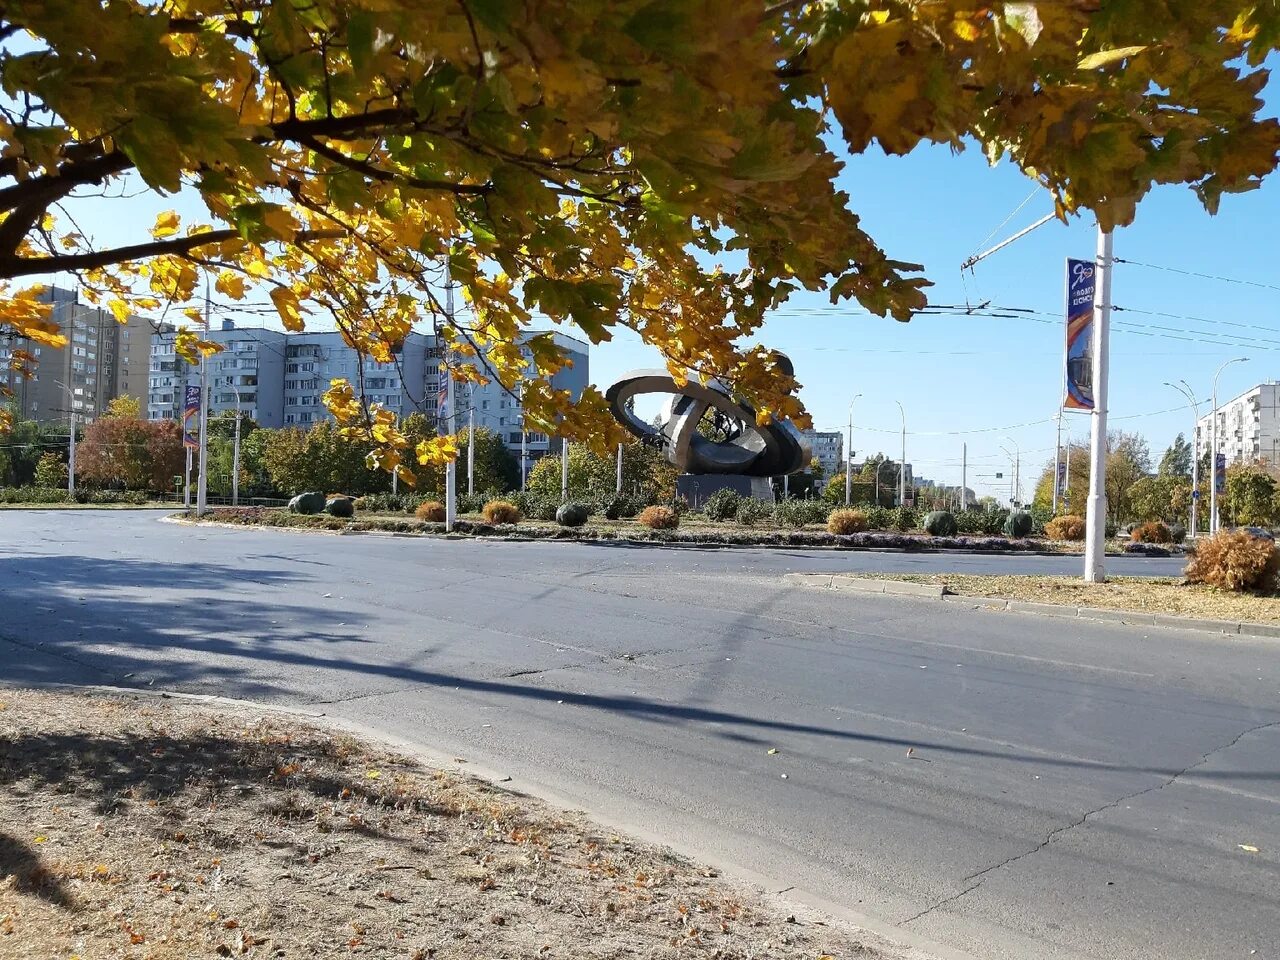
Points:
x=51 y=471
x=1250 y=496
x=496 y=467
x=22 y=448
x=1176 y=461
x=1163 y=497
x=321 y=459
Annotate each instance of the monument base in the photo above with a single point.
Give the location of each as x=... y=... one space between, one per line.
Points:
x=698 y=488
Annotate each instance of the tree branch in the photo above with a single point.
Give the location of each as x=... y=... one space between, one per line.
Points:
x=46 y=189
x=235 y=28
x=387 y=176
x=26 y=266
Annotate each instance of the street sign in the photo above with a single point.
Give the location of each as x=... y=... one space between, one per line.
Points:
x=999 y=476
x=1195 y=494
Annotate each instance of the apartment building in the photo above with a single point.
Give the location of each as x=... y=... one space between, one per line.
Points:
x=1248 y=426
x=102 y=360
x=828 y=449
x=500 y=412
x=280 y=378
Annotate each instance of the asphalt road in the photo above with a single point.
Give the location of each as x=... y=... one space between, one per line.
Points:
x=1073 y=789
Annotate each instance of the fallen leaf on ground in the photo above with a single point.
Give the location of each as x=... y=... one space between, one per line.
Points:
x=772 y=751
x=1247 y=847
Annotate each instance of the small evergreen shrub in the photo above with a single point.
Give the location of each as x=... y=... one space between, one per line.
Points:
x=572 y=515
x=722 y=505
x=1018 y=524
x=941 y=523
x=341 y=507
x=751 y=511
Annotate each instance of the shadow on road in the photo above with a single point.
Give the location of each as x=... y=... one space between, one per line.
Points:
x=225 y=642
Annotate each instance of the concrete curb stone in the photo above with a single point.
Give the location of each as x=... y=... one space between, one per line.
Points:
x=1135 y=618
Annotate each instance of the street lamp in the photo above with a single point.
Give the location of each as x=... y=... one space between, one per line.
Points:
x=902 y=464
x=235 y=454
x=1017 y=470
x=1213 y=447
x=1012 y=479
x=1184 y=388
x=848 y=455
x=71 y=445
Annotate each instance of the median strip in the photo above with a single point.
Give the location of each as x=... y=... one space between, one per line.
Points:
x=1151 y=602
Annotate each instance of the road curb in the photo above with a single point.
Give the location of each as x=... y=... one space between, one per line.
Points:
x=1136 y=618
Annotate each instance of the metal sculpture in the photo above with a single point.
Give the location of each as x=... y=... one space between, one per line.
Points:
x=731 y=442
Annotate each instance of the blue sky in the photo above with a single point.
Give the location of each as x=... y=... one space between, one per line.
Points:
x=975 y=379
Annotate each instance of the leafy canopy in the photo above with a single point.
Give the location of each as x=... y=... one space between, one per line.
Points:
x=659 y=165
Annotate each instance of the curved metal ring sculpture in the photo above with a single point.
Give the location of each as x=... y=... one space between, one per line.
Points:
x=739 y=445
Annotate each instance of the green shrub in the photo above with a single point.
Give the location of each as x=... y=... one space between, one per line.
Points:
x=845 y=521
x=1235 y=560
x=1066 y=527
x=751 y=511
x=622 y=507
x=1178 y=532
x=501 y=511
x=1151 y=532
x=572 y=515
x=799 y=513
x=722 y=505
x=1018 y=524
x=342 y=507
x=940 y=523
x=659 y=518
x=51 y=471
x=880 y=518
x=904 y=518
x=310 y=502
x=431 y=511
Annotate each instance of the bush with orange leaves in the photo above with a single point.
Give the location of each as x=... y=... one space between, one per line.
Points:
x=659 y=518
x=431 y=511
x=1235 y=560
x=1066 y=527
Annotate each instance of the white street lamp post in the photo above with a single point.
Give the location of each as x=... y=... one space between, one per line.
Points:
x=1184 y=388
x=848 y=456
x=1213 y=448
x=71 y=444
x=902 y=464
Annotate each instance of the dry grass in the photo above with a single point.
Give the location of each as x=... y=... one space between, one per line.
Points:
x=143 y=829
x=1156 y=595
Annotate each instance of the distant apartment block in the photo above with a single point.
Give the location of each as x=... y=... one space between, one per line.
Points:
x=278 y=380
x=103 y=359
x=828 y=449
x=1248 y=426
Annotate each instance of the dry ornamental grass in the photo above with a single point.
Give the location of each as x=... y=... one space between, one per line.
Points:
x=139 y=829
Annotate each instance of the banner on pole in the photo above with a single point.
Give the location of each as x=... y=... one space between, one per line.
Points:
x=1220 y=473
x=1081 y=277
x=1062 y=478
x=191 y=418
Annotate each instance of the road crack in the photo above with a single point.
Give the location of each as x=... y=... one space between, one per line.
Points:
x=1080 y=821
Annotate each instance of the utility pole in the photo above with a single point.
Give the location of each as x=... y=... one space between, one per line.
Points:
x=1184 y=388
x=1096 y=523
x=202 y=482
x=1213 y=448
x=902 y=464
x=564 y=471
x=848 y=456
x=524 y=444
x=235 y=456
x=964 y=477
x=471 y=439
x=619 y=469
x=451 y=469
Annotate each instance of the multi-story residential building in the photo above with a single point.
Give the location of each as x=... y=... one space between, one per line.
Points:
x=500 y=411
x=102 y=360
x=1248 y=427
x=828 y=450
x=281 y=377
